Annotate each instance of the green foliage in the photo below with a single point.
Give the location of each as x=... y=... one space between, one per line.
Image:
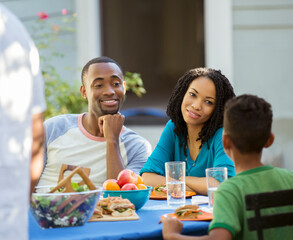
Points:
x=62 y=97
x=134 y=83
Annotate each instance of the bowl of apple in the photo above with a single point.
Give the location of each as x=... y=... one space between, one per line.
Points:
x=130 y=186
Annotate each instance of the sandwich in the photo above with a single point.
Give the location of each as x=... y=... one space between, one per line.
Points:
x=103 y=204
x=121 y=208
x=187 y=212
x=160 y=190
x=116 y=206
x=98 y=212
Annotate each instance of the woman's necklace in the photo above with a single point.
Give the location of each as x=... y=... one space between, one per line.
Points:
x=189 y=148
x=189 y=166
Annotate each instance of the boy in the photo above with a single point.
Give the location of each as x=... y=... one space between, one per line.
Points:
x=247 y=130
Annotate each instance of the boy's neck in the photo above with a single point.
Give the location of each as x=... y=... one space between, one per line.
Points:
x=244 y=162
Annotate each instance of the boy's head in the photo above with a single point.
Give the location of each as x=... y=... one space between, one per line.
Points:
x=248 y=123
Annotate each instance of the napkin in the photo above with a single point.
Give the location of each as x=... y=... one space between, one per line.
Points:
x=206 y=209
x=199 y=199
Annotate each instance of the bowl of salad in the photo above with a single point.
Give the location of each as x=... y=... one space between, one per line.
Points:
x=63 y=209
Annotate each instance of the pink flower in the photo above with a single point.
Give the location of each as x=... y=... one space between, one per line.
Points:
x=64 y=11
x=42 y=15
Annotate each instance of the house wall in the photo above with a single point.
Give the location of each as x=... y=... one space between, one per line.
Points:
x=262 y=58
x=88 y=30
x=219 y=36
x=66 y=45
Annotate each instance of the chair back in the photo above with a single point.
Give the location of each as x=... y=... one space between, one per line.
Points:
x=259 y=201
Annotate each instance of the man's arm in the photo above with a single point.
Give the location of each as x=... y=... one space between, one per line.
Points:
x=37 y=149
x=172 y=229
x=110 y=126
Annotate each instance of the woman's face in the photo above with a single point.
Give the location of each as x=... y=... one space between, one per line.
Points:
x=199 y=102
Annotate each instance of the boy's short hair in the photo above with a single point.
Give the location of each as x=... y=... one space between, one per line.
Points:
x=248 y=122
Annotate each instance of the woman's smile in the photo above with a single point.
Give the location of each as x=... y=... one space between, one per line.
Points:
x=193 y=114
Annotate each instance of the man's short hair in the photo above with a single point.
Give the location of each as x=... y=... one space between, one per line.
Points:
x=248 y=122
x=102 y=59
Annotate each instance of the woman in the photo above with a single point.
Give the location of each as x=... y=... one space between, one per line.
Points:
x=194 y=133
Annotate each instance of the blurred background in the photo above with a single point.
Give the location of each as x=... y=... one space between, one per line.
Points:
x=251 y=41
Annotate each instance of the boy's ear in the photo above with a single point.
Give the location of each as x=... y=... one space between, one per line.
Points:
x=227 y=144
x=226 y=141
x=270 y=141
x=83 y=91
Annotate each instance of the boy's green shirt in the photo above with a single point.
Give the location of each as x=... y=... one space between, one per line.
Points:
x=229 y=209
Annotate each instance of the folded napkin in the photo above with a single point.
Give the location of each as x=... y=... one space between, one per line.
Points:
x=206 y=209
x=199 y=199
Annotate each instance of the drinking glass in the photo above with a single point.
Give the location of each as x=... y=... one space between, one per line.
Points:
x=214 y=177
x=175 y=182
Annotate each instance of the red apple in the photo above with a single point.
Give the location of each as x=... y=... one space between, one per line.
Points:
x=129 y=186
x=126 y=176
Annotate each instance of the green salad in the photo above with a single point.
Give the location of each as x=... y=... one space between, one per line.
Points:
x=75 y=186
x=53 y=210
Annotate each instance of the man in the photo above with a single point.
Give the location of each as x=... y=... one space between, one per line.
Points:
x=96 y=139
x=22 y=105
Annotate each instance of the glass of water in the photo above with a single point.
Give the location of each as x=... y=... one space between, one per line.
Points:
x=214 y=177
x=175 y=182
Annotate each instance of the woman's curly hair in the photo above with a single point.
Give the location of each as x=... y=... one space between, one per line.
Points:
x=224 y=91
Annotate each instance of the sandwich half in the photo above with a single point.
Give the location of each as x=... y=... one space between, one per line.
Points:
x=160 y=190
x=187 y=212
x=98 y=212
x=103 y=204
x=121 y=208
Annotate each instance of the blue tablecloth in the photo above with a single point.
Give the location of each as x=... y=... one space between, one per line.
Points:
x=146 y=227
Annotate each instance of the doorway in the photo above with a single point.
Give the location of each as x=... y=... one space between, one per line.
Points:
x=160 y=39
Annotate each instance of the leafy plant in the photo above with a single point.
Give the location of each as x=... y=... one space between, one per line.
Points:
x=134 y=83
x=62 y=97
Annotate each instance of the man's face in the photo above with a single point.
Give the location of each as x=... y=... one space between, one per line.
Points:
x=104 y=88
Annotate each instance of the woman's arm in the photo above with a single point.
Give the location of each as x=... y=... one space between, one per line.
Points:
x=154 y=169
x=153 y=179
x=196 y=184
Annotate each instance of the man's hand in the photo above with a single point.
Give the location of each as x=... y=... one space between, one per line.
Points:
x=171 y=226
x=111 y=125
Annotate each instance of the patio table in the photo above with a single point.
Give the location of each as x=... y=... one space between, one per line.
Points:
x=146 y=227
